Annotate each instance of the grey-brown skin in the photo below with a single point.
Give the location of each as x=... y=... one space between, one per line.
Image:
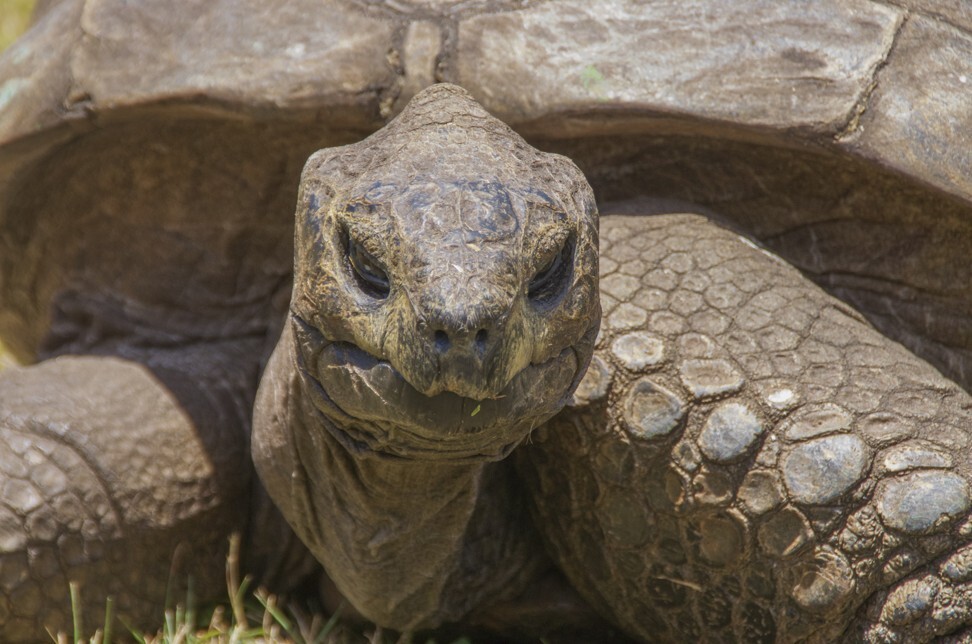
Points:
x=469 y=336
x=745 y=460
x=819 y=129
x=47 y=541
x=119 y=472
x=748 y=460
x=386 y=411
x=147 y=207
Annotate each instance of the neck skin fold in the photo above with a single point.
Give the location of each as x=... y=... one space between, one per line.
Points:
x=411 y=544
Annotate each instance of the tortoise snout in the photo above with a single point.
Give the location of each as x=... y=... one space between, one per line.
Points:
x=468 y=343
x=466 y=346
x=469 y=337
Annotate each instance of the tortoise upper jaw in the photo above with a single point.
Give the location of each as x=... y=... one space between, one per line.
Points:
x=371 y=407
x=466 y=373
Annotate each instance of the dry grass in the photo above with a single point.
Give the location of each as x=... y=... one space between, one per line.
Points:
x=244 y=618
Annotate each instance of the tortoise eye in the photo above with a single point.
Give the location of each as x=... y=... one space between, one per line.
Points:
x=370 y=274
x=550 y=280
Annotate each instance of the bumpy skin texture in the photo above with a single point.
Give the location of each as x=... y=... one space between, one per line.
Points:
x=747 y=460
x=444 y=306
x=459 y=216
x=120 y=472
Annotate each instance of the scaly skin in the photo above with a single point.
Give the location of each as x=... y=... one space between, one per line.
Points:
x=411 y=544
x=747 y=460
x=386 y=405
x=123 y=473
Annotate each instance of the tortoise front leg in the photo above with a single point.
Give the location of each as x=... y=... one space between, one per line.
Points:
x=934 y=601
x=119 y=476
x=748 y=460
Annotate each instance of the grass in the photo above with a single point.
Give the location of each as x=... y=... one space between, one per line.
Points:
x=14 y=16
x=245 y=618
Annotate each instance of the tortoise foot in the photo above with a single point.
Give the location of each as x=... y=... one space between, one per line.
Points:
x=108 y=482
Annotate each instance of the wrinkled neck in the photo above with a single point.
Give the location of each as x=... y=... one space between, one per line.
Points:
x=411 y=544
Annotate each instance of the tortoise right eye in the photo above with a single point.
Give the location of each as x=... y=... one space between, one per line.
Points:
x=552 y=278
x=368 y=271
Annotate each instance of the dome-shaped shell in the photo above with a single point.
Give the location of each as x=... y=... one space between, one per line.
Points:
x=149 y=153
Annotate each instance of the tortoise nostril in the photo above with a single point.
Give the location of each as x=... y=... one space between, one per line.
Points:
x=441 y=341
x=481 y=338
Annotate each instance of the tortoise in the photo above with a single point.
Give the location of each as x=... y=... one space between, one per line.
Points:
x=703 y=442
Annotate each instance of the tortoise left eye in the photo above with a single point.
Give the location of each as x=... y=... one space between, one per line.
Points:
x=370 y=274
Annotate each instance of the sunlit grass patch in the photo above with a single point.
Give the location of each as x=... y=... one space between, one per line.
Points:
x=245 y=618
x=249 y=617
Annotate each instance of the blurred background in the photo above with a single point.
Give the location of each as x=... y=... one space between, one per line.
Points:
x=14 y=15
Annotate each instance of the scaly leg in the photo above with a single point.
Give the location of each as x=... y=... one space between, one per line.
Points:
x=120 y=475
x=748 y=460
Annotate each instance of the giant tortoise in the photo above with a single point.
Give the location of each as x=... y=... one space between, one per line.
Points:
x=460 y=423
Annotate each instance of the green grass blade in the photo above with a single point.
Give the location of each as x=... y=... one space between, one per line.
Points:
x=169 y=627
x=109 y=619
x=252 y=633
x=330 y=625
x=236 y=589
x=76 y=611
x=136 y=635
x=191 y=603
x=239 y=610
x=271 y=607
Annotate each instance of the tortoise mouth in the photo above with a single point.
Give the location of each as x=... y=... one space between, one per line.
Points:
x=372 y=407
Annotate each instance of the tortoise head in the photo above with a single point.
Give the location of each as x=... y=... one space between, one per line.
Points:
x=445 y=295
